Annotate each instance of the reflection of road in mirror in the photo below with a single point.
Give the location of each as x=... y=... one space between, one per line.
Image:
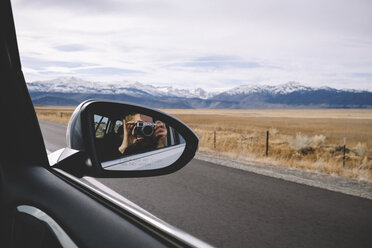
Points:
x=147 y=161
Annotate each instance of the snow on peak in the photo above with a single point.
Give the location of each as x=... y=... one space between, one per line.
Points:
x=77 y=85
x=137 y=89
x=268 y=89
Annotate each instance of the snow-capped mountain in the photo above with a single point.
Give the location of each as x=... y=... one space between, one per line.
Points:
x=267 y=89
x=63 y=85
x=72 y=91
x=136 y=89
x=281 y=89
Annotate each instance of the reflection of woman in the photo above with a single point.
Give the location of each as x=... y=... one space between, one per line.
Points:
x=132 y=144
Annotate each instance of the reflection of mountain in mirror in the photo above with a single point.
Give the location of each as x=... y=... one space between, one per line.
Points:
x=135 y=141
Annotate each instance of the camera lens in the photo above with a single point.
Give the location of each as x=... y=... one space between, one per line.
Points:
x=148 y=130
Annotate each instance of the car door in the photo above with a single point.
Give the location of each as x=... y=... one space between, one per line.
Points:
x=44 y=207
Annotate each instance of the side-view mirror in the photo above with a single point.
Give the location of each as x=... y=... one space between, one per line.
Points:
x=114 y=139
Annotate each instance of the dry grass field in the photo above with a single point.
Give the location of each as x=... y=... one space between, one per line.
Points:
x=56 y=114
x=307 y=139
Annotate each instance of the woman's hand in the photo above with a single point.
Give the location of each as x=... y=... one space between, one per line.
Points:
x=128 y=138
x=160 y=134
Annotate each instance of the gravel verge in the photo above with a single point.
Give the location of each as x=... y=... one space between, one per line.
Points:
x=335 y=183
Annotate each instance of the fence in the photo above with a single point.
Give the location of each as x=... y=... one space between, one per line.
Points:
x=281 y=147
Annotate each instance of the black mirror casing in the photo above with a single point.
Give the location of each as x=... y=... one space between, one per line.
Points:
x=80 y=136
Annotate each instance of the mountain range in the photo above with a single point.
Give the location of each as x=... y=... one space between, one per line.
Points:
x=72 y=91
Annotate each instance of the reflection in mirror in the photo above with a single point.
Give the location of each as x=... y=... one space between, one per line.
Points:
x=135 y=141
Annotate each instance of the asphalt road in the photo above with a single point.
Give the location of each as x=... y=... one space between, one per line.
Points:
x=227 y=207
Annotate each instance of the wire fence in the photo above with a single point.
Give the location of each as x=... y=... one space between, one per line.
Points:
x=277 y=146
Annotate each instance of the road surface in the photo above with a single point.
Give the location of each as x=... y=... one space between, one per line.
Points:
x=228 y=207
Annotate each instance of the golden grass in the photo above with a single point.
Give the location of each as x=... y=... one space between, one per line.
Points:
x=307 y=139
x=54 y=113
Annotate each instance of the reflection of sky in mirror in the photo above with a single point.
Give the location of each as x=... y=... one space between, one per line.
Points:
x=213 y=44
x=98 y=118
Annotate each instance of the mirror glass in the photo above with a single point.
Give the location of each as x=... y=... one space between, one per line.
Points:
x=128 y=141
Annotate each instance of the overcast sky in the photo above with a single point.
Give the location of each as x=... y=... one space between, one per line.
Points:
x=211 y=44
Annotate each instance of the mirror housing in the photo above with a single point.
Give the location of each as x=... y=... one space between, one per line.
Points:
x=82 y=155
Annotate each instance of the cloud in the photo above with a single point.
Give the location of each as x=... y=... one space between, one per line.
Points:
x=210 y=43
x=363 y=75
x=97 y=6
x=71 y=48
x=81 y=5
x=219 y=62
x=108 y=71
x=40 y=64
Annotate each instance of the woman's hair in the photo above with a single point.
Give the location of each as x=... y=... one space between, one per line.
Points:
x=129 y=117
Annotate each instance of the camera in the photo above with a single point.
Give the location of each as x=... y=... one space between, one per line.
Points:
x=144 y=129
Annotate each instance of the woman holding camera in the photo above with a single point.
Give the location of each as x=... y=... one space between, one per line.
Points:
x=135 y=140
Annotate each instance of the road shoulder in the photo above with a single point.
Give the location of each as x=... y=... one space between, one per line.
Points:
x=312 y=178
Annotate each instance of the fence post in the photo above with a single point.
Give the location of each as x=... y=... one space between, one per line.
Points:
x=214 y=138
x=267 y=143
x=344 y=157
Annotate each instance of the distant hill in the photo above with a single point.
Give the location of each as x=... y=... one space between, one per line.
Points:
x=72 y=91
